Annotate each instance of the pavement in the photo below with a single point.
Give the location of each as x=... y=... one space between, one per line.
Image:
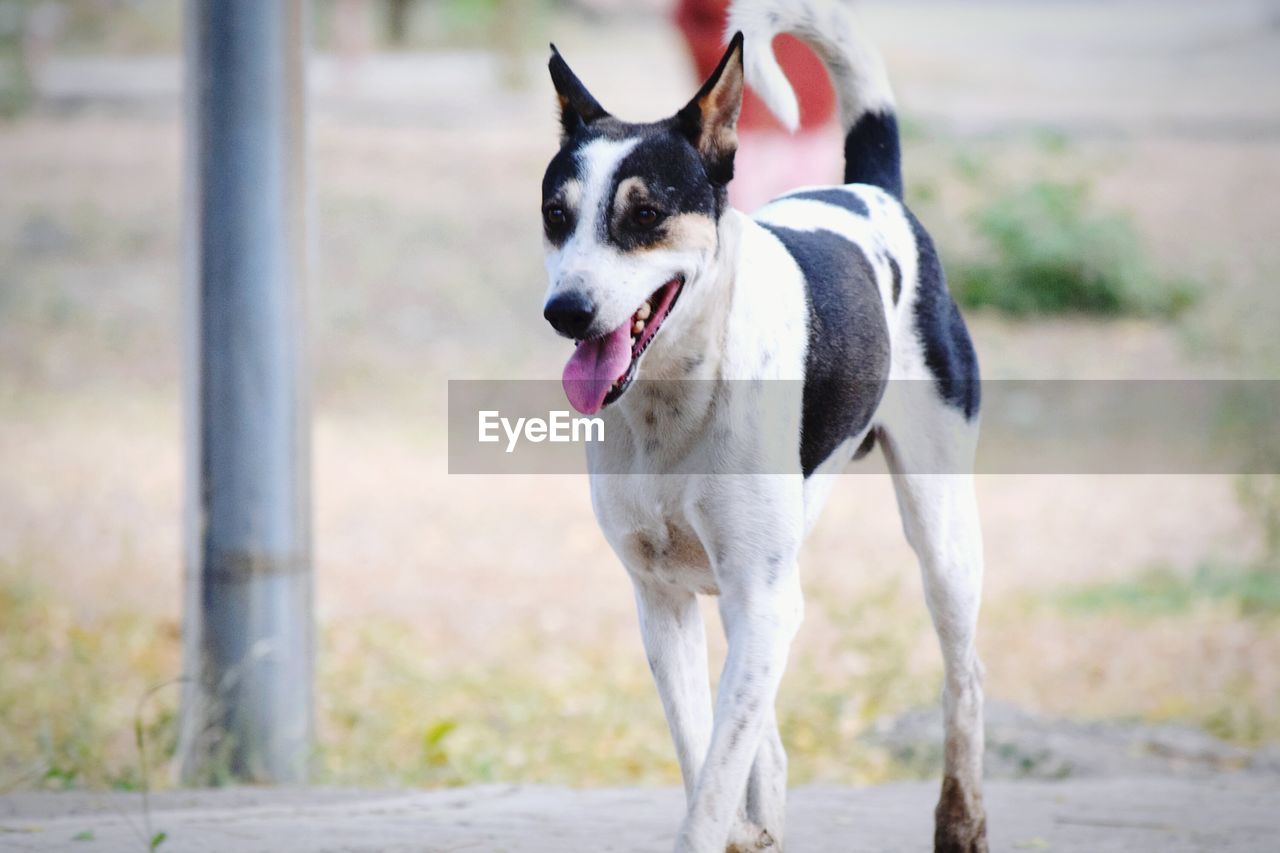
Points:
x=1226 y=812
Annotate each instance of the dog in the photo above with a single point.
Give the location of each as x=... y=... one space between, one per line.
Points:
x=672 y=297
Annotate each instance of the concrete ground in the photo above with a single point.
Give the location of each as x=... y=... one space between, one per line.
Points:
x=1227 y=813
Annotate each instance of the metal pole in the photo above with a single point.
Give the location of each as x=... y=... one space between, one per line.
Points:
x=248 y=623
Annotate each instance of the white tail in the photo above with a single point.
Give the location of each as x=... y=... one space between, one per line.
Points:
x=859 y=75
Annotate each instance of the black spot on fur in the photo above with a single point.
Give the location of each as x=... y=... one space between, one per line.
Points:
x=775 y=569
x=735 y=734
x=847 y=363
x=897 y=278
x=835 y=196
x=948 y=351
x=873 y=154
x=867 y=444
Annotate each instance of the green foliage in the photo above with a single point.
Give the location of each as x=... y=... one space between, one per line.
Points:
x=15 y=77
x=1259 y=496
x=434 y=753
x=1046 y=250
x=1161 y=592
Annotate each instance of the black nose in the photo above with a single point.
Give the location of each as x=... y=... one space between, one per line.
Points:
x=570 y=313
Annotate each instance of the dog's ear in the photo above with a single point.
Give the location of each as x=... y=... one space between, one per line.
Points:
x=710 y=120
x=577 y=107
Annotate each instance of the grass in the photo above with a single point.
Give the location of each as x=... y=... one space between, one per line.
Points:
x=394 y=711
x=394 y=708
x=1163 y=592
x=1044 y=248
x=1164 y=646
x=69 y=688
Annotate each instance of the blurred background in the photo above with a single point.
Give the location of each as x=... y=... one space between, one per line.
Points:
x=1101 y=178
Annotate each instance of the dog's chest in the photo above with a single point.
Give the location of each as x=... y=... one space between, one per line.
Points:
x=642 y=518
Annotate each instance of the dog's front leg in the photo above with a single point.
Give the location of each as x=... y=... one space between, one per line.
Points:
x=766 y=801
x=753 y=555
x=676 y=644
x=759 y=625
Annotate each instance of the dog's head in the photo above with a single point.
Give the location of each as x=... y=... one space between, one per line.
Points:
x=629 y=215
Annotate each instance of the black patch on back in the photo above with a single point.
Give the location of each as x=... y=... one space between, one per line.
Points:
x=847 y=362
x=873 y=154
x=948 y=351
x=837 y=197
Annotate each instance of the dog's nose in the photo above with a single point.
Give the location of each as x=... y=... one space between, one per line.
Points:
x=570 y=313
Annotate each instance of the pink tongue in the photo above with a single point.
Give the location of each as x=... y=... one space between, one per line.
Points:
x=593 y=367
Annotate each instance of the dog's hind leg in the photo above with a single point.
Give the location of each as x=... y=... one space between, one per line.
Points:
x=676 y=645
x=930 y=457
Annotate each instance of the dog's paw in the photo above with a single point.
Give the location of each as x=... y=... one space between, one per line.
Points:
x=961 y=821
x=749 y=838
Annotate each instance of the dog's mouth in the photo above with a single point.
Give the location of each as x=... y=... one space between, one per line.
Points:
x=602 y=368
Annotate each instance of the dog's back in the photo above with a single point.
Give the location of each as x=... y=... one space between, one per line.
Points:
x=878 y=305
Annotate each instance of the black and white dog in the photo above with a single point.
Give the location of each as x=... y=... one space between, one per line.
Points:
x=837 y=290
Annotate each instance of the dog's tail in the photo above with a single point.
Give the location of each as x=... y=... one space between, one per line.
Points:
x=872 y=153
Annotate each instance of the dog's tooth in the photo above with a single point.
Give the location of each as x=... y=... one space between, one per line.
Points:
x=637 y=327
x=644 y=312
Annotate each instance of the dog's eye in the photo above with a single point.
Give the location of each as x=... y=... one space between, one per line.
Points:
x=555 y=216
x=645 y=217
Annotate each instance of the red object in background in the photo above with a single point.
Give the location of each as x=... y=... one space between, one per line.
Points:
x=703 y=23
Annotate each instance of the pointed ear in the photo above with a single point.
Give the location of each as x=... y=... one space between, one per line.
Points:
x=710 y=120
x=577 y=107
